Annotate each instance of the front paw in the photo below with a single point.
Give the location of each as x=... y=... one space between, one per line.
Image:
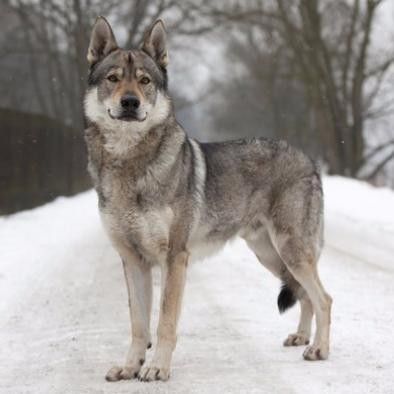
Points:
x=124 y=373
x=316 y=352
x=154 y=372
x=296 y=340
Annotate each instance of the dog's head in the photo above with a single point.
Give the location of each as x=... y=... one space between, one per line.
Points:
x=127 y=88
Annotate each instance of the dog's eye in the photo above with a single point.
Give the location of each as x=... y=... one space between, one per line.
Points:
x=144 y=80
x=113 y=78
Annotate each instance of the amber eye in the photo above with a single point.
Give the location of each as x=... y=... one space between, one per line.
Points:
x=113 y=78
x=144 y=80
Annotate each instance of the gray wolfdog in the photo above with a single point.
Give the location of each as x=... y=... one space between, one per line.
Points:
x=166 y=199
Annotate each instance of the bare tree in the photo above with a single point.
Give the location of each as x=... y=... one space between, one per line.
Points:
x=326 y=46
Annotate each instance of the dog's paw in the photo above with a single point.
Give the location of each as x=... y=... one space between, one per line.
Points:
x=153 y=372
x=123 y=373
x=296 y=340
x=316 y=352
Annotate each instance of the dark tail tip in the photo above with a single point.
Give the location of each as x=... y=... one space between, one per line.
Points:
x=286 y=298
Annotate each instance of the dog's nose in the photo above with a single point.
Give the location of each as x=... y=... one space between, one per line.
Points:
x=128 y=101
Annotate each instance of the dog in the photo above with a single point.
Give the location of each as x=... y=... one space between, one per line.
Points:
x=166 y=199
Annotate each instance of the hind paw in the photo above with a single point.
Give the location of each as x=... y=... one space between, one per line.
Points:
x=316 y=352
x=296 y=340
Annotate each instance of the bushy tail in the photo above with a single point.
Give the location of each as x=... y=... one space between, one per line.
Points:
x=286 y=298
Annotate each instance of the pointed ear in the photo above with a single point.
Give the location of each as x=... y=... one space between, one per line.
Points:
x=155 y=43
x=102 y=41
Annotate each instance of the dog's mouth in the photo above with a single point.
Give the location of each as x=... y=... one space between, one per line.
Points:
x=127 y=117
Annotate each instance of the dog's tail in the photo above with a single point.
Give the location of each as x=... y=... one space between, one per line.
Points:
x=288 y=295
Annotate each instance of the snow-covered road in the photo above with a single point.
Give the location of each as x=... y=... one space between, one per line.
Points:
x=64 y=318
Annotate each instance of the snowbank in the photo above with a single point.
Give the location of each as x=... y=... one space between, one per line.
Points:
x=359 y=220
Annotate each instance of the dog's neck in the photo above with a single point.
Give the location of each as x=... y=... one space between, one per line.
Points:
x=155 y=149
x=130 y=141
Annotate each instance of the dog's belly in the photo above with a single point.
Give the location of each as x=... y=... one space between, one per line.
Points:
x=202 y=245
x=200 y=250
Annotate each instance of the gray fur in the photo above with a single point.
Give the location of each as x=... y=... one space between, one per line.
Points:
x=163 y=197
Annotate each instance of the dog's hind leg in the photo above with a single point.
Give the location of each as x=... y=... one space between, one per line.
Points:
x=139 y=286
x=260 y=243
x=296 y=233
x=301 y=337
x=303 y=267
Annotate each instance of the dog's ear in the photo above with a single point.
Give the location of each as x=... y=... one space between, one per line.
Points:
x=102 y=41
x=155 y=43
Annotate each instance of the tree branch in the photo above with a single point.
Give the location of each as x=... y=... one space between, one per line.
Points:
x=379 y=167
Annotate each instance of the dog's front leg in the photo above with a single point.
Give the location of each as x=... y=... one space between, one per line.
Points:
x=139 y=285
x=173 y=282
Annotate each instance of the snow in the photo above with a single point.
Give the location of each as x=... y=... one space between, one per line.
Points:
x=360 y=220
x=64 y=318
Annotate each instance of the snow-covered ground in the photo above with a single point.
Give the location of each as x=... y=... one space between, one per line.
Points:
x=64 y=318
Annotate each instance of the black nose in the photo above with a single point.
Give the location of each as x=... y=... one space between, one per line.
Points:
x=128 y=101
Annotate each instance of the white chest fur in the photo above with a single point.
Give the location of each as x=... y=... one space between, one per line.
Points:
x=148 y=231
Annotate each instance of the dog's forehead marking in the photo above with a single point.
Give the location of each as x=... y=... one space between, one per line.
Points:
x=129 y=57
x=128 y=60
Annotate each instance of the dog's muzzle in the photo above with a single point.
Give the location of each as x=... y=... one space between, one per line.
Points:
x=130 y=109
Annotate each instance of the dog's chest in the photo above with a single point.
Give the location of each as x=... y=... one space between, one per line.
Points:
x=132 y=225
